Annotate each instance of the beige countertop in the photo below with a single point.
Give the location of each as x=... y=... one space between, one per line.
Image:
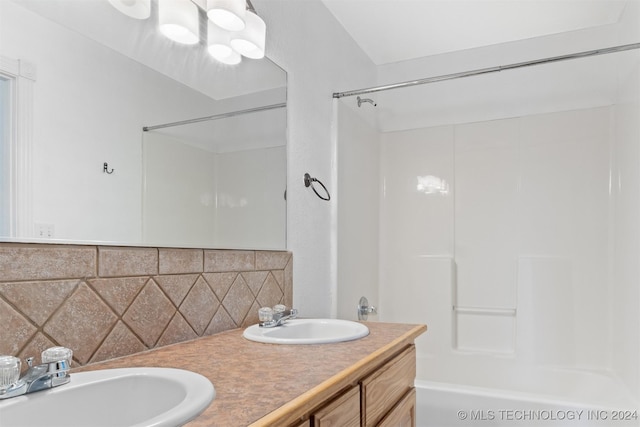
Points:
x=268 y=384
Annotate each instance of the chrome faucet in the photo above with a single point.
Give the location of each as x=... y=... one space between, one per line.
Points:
x=51 y=373
x=271 y=318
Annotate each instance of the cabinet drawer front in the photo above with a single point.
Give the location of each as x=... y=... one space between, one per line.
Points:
x=404 y=413
x=342 y=412
x=384 y=388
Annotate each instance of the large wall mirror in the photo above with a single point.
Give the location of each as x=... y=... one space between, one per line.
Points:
x=78 y=83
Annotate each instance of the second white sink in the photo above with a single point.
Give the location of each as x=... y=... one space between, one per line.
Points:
x=308 y=331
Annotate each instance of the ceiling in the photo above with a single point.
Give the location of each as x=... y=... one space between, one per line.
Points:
x=397 y=30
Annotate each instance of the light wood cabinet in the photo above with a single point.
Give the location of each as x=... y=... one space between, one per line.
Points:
x=342 y=412
x=403 y=414
x=385 y=397
x=383 y=389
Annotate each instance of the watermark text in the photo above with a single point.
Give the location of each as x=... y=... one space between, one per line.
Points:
x=552 y=415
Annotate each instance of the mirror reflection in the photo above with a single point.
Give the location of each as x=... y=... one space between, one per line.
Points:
x=83 y=80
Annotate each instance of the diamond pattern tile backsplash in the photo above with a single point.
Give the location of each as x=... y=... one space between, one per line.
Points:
x=106 y=302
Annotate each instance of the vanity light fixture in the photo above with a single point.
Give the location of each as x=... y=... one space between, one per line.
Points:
x=250 y=41
x=219 y=47
x=178 y=20
x=137 y=9
x=234 y=29
x=227 y=14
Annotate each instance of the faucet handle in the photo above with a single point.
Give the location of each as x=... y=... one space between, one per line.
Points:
x=57 y=354
x=9 y=371
x=265 y=314
x=364 y=309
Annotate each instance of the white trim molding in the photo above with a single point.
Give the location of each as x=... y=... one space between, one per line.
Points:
x=22 y=75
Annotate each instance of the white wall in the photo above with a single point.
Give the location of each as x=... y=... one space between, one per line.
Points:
x=179 y=183
x=320 y=58
x=625 y=301
x=358 y=207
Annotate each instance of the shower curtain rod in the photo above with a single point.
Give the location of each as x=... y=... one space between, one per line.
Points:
x=488 y=70
x=216 y=117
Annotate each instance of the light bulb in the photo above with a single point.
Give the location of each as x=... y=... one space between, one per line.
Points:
x=250 y=42
x=137 y=9
x=179 y=20
x=227 y=14
x=218 y=45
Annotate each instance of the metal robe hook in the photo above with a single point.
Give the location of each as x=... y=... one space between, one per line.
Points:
x=308 y=182
x=105 y=168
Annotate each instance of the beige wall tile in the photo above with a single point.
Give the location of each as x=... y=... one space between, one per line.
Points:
x=118 y=292
x=120 y=342
x=16 y=330
x=216 y=261
x=149 y=314
x=252 y=316
x=180 y=261
x=220 y=282
x=38 y=300
x=177 y=331
x=121 y=261
x=288 y=283
x=176 y=286
x=36 y=346
x=221 y=322
x=42 y=262
x=77 y=294
x=199 y=306
x=271 y=260
x=238 y=300
x=255 y=280
x=270 y=294
x=81 y=323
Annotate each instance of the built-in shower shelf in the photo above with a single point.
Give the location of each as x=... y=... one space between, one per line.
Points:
x=492 y=311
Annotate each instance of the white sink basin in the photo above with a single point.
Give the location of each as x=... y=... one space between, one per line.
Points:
x=308 y=331
x=136 y=397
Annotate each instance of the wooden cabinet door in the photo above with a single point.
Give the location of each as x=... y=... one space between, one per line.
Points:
x=403 y=414
x=382 y=390
x=341 y=412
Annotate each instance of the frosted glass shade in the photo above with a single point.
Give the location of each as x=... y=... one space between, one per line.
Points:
x=218 y=45
x=179 y=20
x=138 y=9
x=250 y=41
x=227 y=14
x=233 y=58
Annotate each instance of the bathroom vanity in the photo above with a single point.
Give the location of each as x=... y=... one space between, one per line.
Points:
x=365 y=382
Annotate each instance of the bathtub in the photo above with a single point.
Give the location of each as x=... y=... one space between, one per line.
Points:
x=450 y=405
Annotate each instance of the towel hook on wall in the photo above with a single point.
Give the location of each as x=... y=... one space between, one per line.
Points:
x=308 y=182
x=105 y=168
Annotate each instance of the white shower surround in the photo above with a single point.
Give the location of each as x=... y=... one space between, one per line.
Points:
x=537 y=240
x=520 y=246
